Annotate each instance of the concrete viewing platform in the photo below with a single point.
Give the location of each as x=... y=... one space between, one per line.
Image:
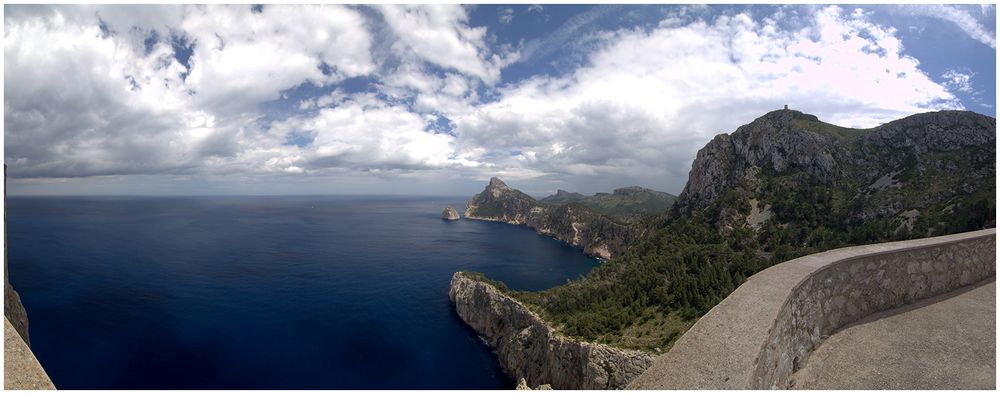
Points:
x=902 y=315
x=21 y=370
x=943 y=342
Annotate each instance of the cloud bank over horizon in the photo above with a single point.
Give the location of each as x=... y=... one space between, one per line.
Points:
x=137 y=99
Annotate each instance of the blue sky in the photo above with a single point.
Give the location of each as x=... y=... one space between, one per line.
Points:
x=411 y=99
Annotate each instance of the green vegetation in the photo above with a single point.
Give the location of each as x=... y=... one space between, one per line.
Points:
x=826 y=128
x=624 y=205
x=478 y=276
x=631 y=205
x=647 y=298
x=886 y=188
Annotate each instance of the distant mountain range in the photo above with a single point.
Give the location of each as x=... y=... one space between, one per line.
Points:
x=623 y=203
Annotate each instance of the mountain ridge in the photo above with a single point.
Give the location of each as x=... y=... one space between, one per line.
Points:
x=782 y=186
x=623 y=203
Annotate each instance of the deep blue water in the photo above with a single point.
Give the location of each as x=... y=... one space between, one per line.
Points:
x=263 y=292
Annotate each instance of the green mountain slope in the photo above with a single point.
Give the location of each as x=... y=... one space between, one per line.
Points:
x=627 y=203
x=783 y=186
x=562 y=197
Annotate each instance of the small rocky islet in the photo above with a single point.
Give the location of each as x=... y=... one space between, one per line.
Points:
x=450 y=214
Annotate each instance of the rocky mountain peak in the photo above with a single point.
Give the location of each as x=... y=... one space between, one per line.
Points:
x=786 y=142
x=496 y=183
x=785 y=116
x=776 y=141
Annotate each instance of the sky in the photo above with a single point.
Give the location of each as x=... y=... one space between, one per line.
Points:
x=435 y=100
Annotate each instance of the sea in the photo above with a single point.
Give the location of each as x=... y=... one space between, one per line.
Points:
x=305 y=292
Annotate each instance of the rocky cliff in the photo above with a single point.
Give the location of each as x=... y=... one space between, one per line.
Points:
x=529 y=349
x=913 y=172
x=14 y=311
x=782 y=186
x=574 y=223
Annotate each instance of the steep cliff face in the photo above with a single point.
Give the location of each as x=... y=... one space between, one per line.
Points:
x=574 y=223
x=913 y=171
x=502 y=203
x=529 y=349
x=14 y=311
x=775 y=141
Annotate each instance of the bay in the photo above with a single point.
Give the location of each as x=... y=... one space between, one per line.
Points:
x=304 y=292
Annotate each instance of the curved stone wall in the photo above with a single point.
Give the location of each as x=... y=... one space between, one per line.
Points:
x=763 y=332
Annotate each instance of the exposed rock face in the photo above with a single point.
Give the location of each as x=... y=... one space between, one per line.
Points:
x=528 y=349
x=773 y=141
x=14 y=311
x=574 y=223
x=877 y=173
x=499 y=202
x=450 y=214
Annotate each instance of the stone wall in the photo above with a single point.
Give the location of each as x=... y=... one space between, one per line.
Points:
x=529 y=349
x=848 y=290
x=766 y=329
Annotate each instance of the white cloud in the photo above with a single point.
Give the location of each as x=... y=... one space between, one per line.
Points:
x=961 y=18
x=71 y=110
x=650 y=98
x=94 y=103
x=82 y=102
x=440 y=35
x=539 y=48
x=244 y=58
x=958 y=81
x=363 y=133
x=536 y=8
x=506 y=16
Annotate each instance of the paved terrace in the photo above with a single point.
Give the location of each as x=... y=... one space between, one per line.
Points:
x=21 y=370
x=944 y=342
x=902 y=315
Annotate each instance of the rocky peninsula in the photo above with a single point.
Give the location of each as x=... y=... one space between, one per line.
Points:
x=575 y=223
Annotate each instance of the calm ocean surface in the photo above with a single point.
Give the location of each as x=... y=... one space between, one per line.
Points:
x=263 y=292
